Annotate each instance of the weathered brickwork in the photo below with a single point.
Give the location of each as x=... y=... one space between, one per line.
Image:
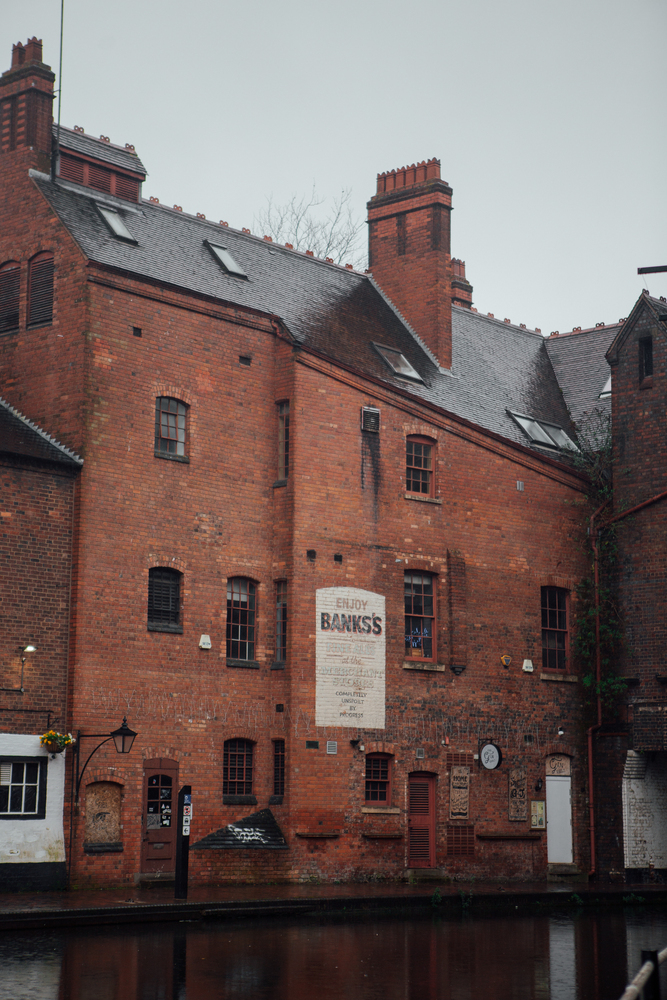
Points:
x=341 y=518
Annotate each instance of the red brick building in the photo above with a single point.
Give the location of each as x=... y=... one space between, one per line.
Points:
x=329 y=528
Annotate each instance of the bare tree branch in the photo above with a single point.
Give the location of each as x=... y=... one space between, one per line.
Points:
x=305 y=223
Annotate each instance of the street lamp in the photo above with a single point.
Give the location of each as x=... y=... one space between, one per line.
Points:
x=123 y=738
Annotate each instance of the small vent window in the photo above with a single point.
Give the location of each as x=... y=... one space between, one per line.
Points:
x=398 y=363
x=164 y=600
x=40 y=290
x=115 y=223
x=370 y=419
x=223 y=256
x=460 y=841
x=10 y=284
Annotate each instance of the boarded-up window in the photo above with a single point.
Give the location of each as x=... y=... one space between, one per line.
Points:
x=102 y=814
x=10 y=281
x=40 y=290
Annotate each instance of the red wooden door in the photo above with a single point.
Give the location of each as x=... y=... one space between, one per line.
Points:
x=159 y=815
x=421 y=820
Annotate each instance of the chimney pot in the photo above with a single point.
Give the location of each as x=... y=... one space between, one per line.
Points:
x=33 y=50
x=18 y=55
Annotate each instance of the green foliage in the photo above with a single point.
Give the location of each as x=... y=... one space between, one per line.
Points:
x=436 y=898
x=633 y=899
x=576 y=900
x=466 y=900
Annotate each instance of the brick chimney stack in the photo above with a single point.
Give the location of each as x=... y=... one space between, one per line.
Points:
x=409 y=252
x=26 y=106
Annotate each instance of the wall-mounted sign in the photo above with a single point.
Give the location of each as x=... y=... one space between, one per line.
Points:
x=518 y=794
x=558 y=763
x=537 y=818
x=349 y=658
x=459 y=793
x=490 y=756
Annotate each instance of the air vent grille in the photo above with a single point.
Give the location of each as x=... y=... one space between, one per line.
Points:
x=370 y=419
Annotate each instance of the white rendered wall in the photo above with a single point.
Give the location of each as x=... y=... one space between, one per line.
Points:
x=645 y=816
x=35 y=840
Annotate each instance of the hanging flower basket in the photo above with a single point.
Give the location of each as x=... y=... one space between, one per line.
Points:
x=56 y=742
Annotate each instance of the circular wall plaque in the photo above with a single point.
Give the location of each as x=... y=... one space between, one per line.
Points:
x=490 y=756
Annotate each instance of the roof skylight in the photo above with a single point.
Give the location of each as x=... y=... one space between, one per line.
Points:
x=223 y=256
x=542 y=433
x=398 y=363
x=606 y=391
x=115 y=223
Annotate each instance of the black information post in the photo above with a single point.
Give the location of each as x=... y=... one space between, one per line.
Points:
x=184 y=816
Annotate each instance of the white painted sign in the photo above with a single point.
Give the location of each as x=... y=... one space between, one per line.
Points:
x=349 y=658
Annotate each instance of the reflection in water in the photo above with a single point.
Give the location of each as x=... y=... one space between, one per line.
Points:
x=570 y=957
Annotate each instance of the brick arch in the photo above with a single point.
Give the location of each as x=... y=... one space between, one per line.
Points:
x=564 y=749
x=159 y=750
x=421 y=431
x=173 y=391
x=113 y=774
x=241 y=733
x=553 y=580
x=378 y=746
x=424 y=566
x=164 y=560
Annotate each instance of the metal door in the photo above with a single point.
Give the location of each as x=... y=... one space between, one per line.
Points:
x=159 y=815
x=559 y=819
x=421 y=820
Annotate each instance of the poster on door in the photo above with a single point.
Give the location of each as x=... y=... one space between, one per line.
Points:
x=349 y=658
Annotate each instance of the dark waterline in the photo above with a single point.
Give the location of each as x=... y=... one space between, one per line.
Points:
x=556 y=957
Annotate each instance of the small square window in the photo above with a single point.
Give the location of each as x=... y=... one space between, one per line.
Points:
x=114 y=221
x=224 y=257
x=22 y=788
x=398 y=363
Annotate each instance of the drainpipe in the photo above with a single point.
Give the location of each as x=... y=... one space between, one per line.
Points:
x=598 y=673
x=594 y=533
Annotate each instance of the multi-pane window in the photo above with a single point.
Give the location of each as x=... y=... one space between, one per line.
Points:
x=241 y=599
x=170 y=426
x=281 y=621
x=419 y=467
x=40 y=290
x=283 y=440
x=419 y=615
x=237 y=768
x=164 y=600
x=554 y=628
x=378 y=779
x=645 y=358
x=22 y=789
x=279 y=767
x=10 y=283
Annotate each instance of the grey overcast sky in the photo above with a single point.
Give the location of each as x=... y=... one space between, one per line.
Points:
x=548 y=117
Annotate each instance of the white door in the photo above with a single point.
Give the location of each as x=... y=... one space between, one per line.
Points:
x=559 y=820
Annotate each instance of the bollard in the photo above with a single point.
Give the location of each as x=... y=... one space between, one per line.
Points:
x=183 y=817
x=652 y=987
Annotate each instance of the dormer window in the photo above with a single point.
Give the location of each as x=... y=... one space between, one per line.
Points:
x=544 y=434
x=398 y=363
x=115 y=223
x=223 y=257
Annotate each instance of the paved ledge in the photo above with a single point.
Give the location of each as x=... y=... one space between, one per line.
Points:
x=236 y=902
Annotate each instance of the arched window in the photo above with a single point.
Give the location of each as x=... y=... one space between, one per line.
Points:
x=10 y=283
x=40 y=290
x=241 y=622
x=378 y=779
x=419 y=466
x=170 y=427
x=237 y=768
x=164 y=600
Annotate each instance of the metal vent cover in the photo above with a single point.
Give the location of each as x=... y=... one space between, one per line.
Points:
x=420 y=754
x=370 y=419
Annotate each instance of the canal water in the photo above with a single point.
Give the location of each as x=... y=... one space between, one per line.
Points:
x=569 y=956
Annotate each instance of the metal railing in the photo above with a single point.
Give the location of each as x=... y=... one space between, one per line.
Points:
x=648 y=977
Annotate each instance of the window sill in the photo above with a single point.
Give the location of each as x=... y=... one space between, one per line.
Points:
x=423 y=665
x=37 y=326
x=160 y=627
x=280 y=482
x=278 y=665
x=420 y=499
x=239 y=800
x=276 y=800
x=249 y=664
x=172 y=458
x=646 y=383
x=382 y=836
x=381 y=810
x=113 y=848
x=317 y=834
x=562 y=678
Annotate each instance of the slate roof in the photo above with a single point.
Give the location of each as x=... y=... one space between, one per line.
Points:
x=338 y=312
x=20 y=436
x=258 y=830
x=97 y=149
x=581 y=368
